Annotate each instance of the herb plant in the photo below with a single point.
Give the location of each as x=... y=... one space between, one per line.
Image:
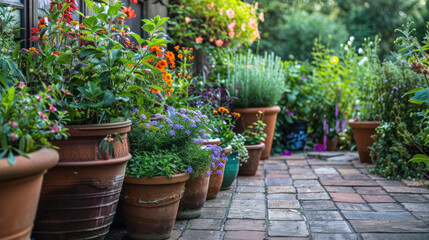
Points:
x=254 y=134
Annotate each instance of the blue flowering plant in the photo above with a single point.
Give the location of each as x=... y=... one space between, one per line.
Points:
x=171 y=143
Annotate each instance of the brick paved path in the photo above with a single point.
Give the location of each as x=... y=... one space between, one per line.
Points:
x=308 y=198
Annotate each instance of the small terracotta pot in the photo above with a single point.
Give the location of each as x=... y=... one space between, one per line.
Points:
x=362 y=132
x=249 y=115
x=250 y=167
x=79 y=196
x=192 y=203
x=151 y=204
x=20 y=186
x=331 y=145
x=215 y=181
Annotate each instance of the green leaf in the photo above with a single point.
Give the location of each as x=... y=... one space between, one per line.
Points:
x=421 y=96
x=148 y=28
x=91 y=21
x=420 y=158
x=88 y=52
x=108 y=98
x=413 y=91
x=138 y=38
x=11 y=158
x=119 y=137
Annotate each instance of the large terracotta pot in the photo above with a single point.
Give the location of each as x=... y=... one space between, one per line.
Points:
x=250 y=167
x=192 y=203
x=20 y=186
x=249 y=115
x=231 y=170
x=215 y=181
x=80 y=194
x=362 y=132
x=151 y=204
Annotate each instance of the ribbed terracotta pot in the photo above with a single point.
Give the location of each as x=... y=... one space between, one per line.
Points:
x=362 y=132
x=20 y=186
x=250 y=167
x=80 y=194
x=215 y=181
x=151 y=204
x=192 y=204
x=249 y=115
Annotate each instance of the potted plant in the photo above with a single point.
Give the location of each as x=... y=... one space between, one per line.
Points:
x=254 y=143
x=165 y=152
x=98 y=76
x=25 y=156
x=236 y=158
x=247 y=81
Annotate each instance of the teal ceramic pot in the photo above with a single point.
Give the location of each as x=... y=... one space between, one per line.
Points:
x=231 y=170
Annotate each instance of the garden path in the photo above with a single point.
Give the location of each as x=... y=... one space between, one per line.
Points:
x=304 y=197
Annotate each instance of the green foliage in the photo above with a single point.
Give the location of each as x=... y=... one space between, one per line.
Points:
x=293 y=37
x=237 y=144
x=254 y=134
x=175 y=139
x=256 y=81
x=27 y=122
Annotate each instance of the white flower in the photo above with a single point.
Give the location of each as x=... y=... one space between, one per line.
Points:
x=363 y=60
x=360 y=50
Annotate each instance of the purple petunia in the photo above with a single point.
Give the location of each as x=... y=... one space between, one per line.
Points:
x=189 y=169
x=172 y=133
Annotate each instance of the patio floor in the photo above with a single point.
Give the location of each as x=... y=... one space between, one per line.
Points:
x=300 y=197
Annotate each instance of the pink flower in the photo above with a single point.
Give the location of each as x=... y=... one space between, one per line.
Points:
x=212 y=4
x=52 y=108
x=48 y=96
x=231 y=34
x=66 y=92
x=13 y=136
x=199 y=40
x=230 y=13
x=13 y=124
x=252 y=11
x=231 y=26
x=286 y=153
x=243 y=27
x=261 y=16
x=213 y=19
x=220 y=11
x=253 y=24
x=187 y=20
x=256 y=5
x=219 y=42
x=319 y=147
x=38 y=97
x=54 y=129
x=211 y=40
x=21 y=84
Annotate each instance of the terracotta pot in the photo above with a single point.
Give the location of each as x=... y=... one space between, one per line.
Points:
x=192 y=203
x=20 y=186
x=331 y=145
x=362 y=132
x=248 y=116
x=213 y=141
x=151 y=204
x=250 y=167
x=231 y=170
x=80 y=194
x=215 y=181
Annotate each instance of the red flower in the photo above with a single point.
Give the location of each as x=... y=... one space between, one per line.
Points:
x=34 y=30
x=129 y=12
x=134 y=1
x=56 y=54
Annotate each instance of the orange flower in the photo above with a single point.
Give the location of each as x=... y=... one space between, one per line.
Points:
x=173 y=65
x=179 y=74
x=168 y=94
x=156 y=48
x=188 y=77
x=167 y=77
x=191 y=49
x=161 y=65
x=169 y=83
x=154 y=90
x=236 y=115
x=177 y=47
x=128 y=11
x=170 y=56
x=223 y=110
x=180 y=55
x=191 y=57
x=150 y=60
x=215 y=112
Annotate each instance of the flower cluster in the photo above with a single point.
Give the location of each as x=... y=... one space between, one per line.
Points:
x=218 y=158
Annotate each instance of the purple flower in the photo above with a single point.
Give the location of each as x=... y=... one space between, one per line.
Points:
x=202 y=131
x=178 y=126
x=291 y=113
x=326 y=85
x=155 y=123
x=143 y=117
x=161 y=126
x=355 y=107
x=344 y=125
x=209 y=173
x=147 y=125
x=188 y=132
x=219 y=172
x=169 y=121
x=206 y=136
x=286 y=153
x=189 y=169
x=213 y=164
x=319 y=147
x=172 y=133
x=192 y=124
x=135 y=110
x=220 y=164
x=198 y=140
x=196 y=119
x=337 y=125
x=336 y=110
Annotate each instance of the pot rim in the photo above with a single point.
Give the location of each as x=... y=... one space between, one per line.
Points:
x=364 y=124
x=99 y=129
x=261 y=145
x=95 y=163
x=36 y=163
x=160 y=180
x=268 y=110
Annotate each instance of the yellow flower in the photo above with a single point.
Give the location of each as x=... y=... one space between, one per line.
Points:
x=334 y=59
x=32 y=49
x=215 y=112
x=75 y=22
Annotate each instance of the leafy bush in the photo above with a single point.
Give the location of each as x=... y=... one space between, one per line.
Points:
x=256 y=81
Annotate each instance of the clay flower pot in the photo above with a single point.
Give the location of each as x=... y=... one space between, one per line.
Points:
x=331 y=145
x=215 y=181
x=20 y=186
x=231 y=170
x=151 y=204
x=250 y=167
x=80 y=194
x=192 y=204
x=248 y=116
x=362 y=132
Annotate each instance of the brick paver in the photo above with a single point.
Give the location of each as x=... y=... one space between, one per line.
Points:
x=323 y=196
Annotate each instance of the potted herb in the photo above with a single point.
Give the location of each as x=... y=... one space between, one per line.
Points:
x=25 y=131
x=367 y=109
x=97 y=75
x=254 y=143
x=165 y=152
x=258 y=83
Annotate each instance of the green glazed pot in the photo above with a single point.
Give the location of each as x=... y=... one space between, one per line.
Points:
x=231 y=170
